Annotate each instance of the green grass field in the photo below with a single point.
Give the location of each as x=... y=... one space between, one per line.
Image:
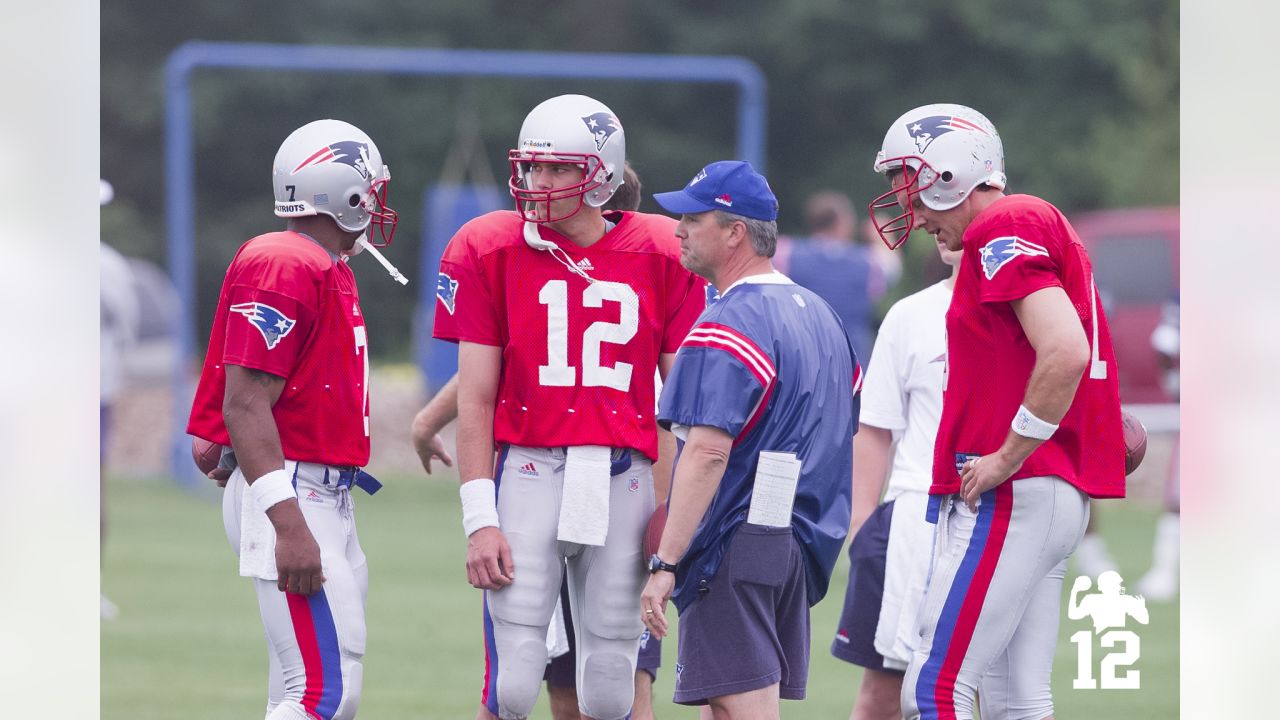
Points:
x=188 y=642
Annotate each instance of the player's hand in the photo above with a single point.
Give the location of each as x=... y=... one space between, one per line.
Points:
x=653 y=602
x=429 y=448
x=220 y=475
x=981 y=474
x=489 y=563
x=1081 y=583
x=297 y=553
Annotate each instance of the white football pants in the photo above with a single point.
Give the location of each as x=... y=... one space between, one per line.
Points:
x=992 y=602
x=604 y=587
x=315 y=643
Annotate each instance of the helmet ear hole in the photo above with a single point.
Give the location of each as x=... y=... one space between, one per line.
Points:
x=946 y=176
x=354 y=200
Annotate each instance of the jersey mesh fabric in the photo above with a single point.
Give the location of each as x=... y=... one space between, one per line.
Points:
x=567 y=343
x=321 y=414
x=1016 y=246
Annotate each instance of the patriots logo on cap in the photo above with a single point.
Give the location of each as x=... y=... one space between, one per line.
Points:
x=446 y=291
x=926 y=130
x=270 y=322
x=602 y=126
x=347 y=152
x=999 y=252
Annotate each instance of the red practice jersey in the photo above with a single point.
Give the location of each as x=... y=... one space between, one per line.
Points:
x=289 y=308
x=578 y=358
x=1016 y=246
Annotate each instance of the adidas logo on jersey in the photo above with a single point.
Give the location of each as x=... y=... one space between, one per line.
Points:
x=314 y=497
x=528 y=470
x=585 y=264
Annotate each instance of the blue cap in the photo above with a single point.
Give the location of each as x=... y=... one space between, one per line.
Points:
x=729 y=185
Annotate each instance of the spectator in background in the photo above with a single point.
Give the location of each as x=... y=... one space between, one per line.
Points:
x=833 y=264
x=1161 y=581
x=120 y=316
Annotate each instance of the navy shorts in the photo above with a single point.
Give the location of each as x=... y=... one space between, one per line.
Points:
x=750 y=629
x=561 y=671
x=856 y=635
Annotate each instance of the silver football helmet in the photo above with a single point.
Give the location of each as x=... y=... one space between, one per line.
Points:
x=333 y=168
x=940 y=153
x=568 y=129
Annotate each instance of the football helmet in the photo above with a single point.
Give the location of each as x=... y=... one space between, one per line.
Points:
x=942 y=153
x=575 y=130
x=331 y=167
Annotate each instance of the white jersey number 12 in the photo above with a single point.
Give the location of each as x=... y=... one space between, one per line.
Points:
x=558 y=372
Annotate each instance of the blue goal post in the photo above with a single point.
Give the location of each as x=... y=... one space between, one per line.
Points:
x=179 y=144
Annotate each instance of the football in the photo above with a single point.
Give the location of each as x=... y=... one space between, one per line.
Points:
x=653 y=532
x=1135 y=441
x=205 y=454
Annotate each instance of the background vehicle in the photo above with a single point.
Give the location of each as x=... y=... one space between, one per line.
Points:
x=1135 y=264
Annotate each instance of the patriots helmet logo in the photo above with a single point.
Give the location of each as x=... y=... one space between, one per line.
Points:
x=602 y=126
x=446 y=291
x=999 y=252
x=270 y=322
x=925 y=130
x=347 y=152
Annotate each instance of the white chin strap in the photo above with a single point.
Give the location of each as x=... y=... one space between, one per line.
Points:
x=362 y=244
x=533 y=239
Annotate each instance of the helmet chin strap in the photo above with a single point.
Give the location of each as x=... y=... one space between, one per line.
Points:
x=363 y=244
x=534 y=240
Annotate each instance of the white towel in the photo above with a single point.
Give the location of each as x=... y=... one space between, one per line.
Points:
x=557 y=634
x=257 y=539
x=584 y=504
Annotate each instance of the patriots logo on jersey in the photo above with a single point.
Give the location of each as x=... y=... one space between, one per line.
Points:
x=347 y=152
x=925 y=130
x=446 y=291
x=602 y=126
x=999 y=252
x=270 y=322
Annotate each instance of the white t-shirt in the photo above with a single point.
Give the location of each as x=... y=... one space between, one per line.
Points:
x=120 y=317
x=903 y=388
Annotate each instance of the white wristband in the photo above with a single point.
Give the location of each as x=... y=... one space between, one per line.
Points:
x=1026 y=424
x=274 y=487
x=479 y=505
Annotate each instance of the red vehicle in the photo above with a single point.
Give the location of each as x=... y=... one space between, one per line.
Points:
x=1135 y=256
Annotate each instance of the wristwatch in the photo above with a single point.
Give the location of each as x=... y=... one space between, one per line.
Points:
x=656 y=565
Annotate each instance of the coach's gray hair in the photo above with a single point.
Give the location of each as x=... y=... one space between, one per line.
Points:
x=763 y=233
